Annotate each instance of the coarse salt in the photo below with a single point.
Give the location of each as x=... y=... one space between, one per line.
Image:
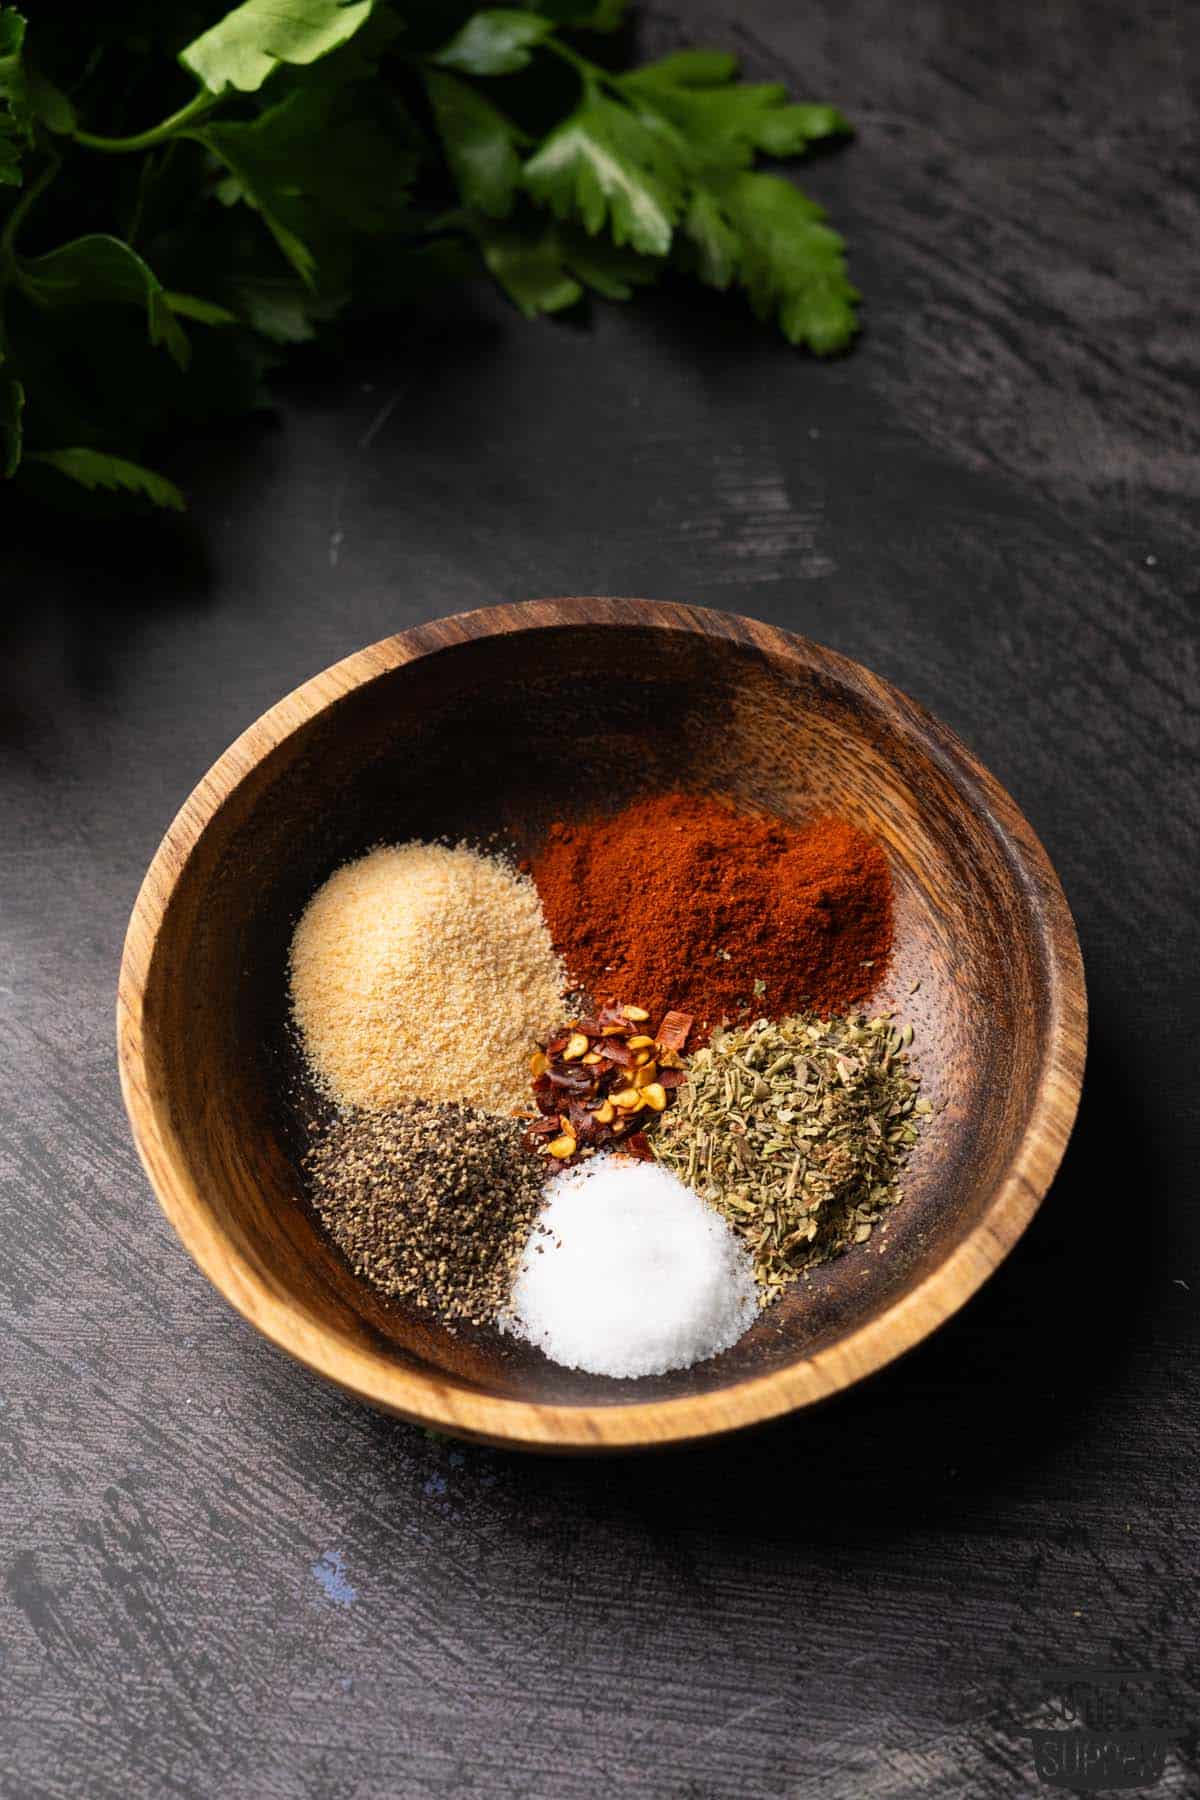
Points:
x=628 y=1272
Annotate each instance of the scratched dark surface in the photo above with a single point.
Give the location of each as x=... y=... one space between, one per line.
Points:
x=220 y=1578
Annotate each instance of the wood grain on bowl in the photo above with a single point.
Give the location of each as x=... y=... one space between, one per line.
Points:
x=505 y=720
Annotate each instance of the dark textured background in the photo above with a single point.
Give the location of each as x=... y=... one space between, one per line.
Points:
x=222 y=1578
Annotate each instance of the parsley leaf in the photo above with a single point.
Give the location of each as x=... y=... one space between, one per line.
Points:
x=99 y=269
x=12 y=405
x=249 y=44
x=318 y=168
x=674 y=144
x=480 y=144
x=250 y=181
x=715 y=244
x=496 y=42
x=608 y=269
x=548 y=273
x=790 y=262
x=48 y=104
x=685 y=68
x=757 y=230
x=205 y=312
x=530 y=270
x=607 y=166
x=15 y=118
x=12 y=73
x=97 y=468
x=283 y=310
x=10 y=152
x=725 y=125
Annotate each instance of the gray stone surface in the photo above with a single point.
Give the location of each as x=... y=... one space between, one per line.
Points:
x=221 y=1578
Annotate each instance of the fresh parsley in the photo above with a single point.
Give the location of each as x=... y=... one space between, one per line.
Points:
x=319 y=156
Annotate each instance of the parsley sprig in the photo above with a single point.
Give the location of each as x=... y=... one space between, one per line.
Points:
x=322 y=155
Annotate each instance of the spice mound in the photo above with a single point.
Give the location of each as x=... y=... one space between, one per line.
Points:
x=636 y=1275
x=602 y=1079
x=432 y=1204
x=422 y=972
x=687 y=903
x=797 y=1132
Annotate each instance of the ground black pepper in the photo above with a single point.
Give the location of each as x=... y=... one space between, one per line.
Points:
x=433 y=1204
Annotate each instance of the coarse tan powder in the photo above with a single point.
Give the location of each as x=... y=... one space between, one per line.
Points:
x=424 y=972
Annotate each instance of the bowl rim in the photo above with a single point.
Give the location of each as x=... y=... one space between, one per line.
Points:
x=422 y=1398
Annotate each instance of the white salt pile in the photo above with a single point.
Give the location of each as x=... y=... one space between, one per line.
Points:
x=637 y=1275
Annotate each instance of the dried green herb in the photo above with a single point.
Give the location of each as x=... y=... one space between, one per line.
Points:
x=797 y=1131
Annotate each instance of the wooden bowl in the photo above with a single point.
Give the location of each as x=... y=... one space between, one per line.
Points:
x=511 y=718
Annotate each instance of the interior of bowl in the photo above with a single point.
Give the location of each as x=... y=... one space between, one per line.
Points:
x=504 y=733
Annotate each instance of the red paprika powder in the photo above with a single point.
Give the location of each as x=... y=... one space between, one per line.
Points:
x=681 y=901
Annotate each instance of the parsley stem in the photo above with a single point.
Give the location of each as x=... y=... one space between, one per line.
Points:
x=588 y=72
x=146 y=140
x=17 y=216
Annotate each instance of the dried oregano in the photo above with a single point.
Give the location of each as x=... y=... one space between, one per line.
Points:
x=797 y=1131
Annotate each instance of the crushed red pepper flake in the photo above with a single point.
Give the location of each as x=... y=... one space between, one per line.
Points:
x=603 y=1097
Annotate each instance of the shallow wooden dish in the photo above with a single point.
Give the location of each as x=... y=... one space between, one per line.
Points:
x=511 y=718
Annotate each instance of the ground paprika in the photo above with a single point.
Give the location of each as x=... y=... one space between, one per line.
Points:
x=681 y=901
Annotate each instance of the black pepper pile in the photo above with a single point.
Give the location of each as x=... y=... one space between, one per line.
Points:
x=433 y=1204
